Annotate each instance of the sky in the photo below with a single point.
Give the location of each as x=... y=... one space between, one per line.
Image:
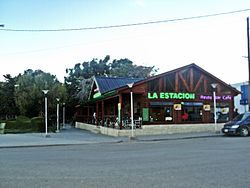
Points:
x=217 y=44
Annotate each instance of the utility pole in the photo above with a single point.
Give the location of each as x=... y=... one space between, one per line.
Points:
x=248 y=57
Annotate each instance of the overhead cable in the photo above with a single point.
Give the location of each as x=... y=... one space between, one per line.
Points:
x=126 y=25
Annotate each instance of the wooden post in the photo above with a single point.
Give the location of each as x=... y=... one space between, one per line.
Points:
x=97 y=113
x=161 y=84
x=102 y=112
x=176 y=82
x=191 y=80
x=120 y=102
x=87 y=118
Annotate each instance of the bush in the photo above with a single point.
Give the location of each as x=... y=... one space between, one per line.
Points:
x=23 y=122
x=37 y=124
x=11 y=125
x=22 y=118
x=25 y=125
x=21 y=125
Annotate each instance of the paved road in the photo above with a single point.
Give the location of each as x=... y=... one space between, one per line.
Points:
x=218 y=162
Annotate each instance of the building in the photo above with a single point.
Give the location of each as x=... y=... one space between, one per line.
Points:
x=180 y=96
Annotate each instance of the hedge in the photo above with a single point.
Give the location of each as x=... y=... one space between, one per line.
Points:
x=24 y=125
x=38 y=124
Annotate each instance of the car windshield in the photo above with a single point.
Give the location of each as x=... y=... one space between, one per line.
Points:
x=241 y=117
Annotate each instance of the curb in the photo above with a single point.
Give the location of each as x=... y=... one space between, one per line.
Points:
x=55 y=145
x=134 y=139
x=179 y=138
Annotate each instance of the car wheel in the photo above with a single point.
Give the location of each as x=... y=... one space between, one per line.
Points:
x=244 y=131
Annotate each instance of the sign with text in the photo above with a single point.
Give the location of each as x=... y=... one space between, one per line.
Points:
x=220 y=97
x=244 y=94
x=167 y=95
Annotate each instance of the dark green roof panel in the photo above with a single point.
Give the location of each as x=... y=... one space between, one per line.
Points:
x=107 y=84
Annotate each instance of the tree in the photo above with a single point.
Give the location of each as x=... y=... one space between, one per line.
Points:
x=7 y=97
x=79 y=77
x=85 y=87
x=29 y=95
x=79 y=80
x=125 y=68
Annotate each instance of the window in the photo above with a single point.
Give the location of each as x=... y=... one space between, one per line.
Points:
x=222 y=112
x=192 y=111
x=161 y=113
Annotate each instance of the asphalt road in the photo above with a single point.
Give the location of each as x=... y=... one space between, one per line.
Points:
x=222 y=162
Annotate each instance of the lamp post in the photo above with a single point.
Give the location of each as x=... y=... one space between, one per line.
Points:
x=57 y=115
x=132 y=107
x=214 y=85
x=63 y=115
x=46 y=113
x=16 y=93
x=248 y=57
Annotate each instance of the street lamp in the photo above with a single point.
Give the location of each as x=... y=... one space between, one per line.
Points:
x=132 y=112
x=214 y=85
x=248 y=57
x=46 y=113
x=63 y=115
x=57 y=115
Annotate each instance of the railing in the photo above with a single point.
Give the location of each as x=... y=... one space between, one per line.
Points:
x=110 y=121
x=113 y=122
x=126 y=123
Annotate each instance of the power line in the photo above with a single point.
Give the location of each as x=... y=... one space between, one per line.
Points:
x=127 y=25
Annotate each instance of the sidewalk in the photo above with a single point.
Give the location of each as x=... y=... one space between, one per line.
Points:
x=66 y=136
x=73 y=136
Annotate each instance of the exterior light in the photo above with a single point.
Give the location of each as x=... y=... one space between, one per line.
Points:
x=57 y=115
x=132 y=112
x=63 y=115
x=46 y=113
x=214 y=86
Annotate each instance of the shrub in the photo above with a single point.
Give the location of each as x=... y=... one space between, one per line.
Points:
x=21 y=125
x=24 y=125
x=22 y=118
x=37 y=124
x=11 y=125
x=23 y=122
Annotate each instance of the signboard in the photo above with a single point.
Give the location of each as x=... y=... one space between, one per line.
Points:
x=218 y=97
x=243 y=101
x=244 y=94
x=158 y=103
x=145 y=114
x=167 y=95
x=192 y=103
x=177 y=106
x=96 y=95
x=206 y=107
